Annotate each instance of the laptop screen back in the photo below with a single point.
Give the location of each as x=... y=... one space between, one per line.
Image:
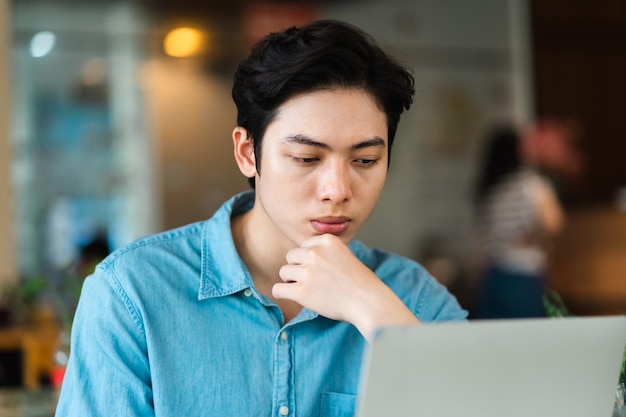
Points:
x=514 y=368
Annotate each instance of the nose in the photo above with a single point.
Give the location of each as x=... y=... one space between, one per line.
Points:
x=335 y=183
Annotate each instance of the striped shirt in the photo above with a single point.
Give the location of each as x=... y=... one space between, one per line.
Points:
x=510 y=223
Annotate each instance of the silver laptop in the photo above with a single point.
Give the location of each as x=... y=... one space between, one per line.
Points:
x=502 y=368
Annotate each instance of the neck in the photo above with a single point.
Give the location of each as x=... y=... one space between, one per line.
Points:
x=263 y=257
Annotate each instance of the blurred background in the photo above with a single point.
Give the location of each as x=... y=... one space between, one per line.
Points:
x=115 y=122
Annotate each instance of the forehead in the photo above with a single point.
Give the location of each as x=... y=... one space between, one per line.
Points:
x=330 y=115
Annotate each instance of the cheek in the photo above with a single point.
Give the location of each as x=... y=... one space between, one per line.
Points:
x=281 y=190
x=376 y=192
x=376 y=180
x=371 y=188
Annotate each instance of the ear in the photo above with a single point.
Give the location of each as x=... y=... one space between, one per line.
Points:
x=244 y=152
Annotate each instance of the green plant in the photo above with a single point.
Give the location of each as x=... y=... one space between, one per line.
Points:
x=555 y=307
x=22 y=296
x=59 y=291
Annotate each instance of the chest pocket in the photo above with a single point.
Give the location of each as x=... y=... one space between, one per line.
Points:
x=335 y=404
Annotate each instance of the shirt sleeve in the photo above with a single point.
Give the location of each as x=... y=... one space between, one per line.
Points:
x=438 y=304
x=108 y=371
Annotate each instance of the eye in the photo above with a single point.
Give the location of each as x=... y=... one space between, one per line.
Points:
x=366 y=162
x=305 y=160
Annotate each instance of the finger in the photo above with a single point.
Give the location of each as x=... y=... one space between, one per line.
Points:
x=289 y=273
x=317 y=240
x=296 y=256
x=287 y=291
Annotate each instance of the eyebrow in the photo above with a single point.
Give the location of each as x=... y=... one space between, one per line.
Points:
x=305 y=140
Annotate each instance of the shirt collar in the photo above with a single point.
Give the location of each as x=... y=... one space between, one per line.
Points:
x=222 y=271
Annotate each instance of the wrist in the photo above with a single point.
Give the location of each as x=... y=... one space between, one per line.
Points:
x=383 y=310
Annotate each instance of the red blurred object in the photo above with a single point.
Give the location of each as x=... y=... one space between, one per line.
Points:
x=259 y=19
x=56 y=376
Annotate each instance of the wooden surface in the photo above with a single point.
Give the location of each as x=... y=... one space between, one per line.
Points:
x=588 y=261
x=37 y=347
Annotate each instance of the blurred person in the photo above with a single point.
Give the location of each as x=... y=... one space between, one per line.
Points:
x=519 y=212
x=265 y=308
x=91 y=254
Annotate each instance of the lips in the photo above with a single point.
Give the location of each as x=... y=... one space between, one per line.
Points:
x=333 y=225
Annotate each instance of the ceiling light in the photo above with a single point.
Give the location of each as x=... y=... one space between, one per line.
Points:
x=42 y=43
x=183 y=42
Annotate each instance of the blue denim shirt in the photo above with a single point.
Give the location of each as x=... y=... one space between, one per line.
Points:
x=173 y=326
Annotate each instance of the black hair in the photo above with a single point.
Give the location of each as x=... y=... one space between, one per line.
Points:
x=501 y=157
x=321 y=55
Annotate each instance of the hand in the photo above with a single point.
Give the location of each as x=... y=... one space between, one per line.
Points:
x=324 y=276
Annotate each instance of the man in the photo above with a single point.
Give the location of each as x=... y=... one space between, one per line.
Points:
x=265 y=308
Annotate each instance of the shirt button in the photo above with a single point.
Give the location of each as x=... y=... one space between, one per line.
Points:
x=284 y=410
x=247 y=292
x=283 y=336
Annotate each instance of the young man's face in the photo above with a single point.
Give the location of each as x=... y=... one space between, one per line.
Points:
x=324 y=164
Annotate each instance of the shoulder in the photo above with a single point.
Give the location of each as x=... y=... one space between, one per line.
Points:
x=182 y=242
x=387 y=264
x=412 y=283
x=167 y=262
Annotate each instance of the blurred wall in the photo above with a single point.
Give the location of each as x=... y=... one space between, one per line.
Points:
x=191 y=115
x=7 y=239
